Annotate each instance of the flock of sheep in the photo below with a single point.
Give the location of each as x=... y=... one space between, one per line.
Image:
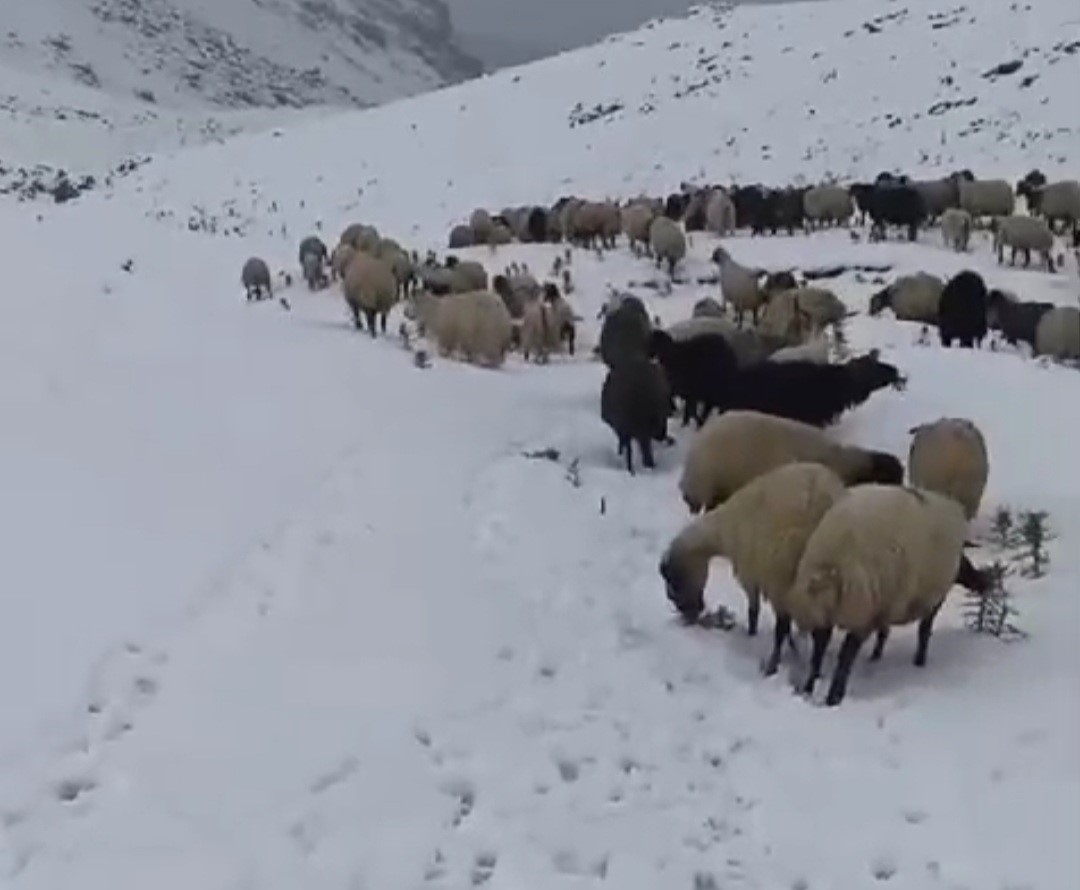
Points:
x=829 y=534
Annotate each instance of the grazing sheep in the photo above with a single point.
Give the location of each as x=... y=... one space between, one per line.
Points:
x=701 y=371
x=481 y=224
x=1058 y=334
x=517 y=291
x=882 y=555
x=962 y=310
x=625 y=332
x=719 y=213
x=792 y=313
x=707 y=307
x=1017 y=321
x=749 y=345
x=371 y=289
x=636 y=220
x=776 y=282
x=466 y=275
x=634 y=402
x=762 y=529
x=738 y=446
x=255 y=277
x=956 y=229
x=1057 y=201
x=829 y=204
x=810 y=392
x=739 y=286
x=461 y=236
x=1024 y=234
x=949 y=456
x=911 y=298
x=474 y=324
x=987 y=197
x=667 y=241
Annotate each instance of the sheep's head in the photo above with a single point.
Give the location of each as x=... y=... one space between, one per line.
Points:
x=881 y=300
x=976 y=580
x=685 y=580
x=720 y=256
x=881 y=468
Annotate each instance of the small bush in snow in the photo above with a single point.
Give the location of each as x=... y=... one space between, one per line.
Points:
x=992 y=612
x=1034 y=534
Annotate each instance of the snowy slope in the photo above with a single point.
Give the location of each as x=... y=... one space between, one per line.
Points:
x=281 y=610
x=236 y=54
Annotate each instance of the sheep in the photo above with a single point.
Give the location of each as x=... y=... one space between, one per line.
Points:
x=911 y=298
x=1025 y=234
x=987 y=197
x=361 y=237
x=517 y=291
x=467 y=275
x=634 y=402
x=255 y=277
x=949 y=456
x=475 y=324
x=810 y=392
x=339 y=259
x=636 y=219
x=564 y=323
x=749 y=345
x=739 y=286
x=461 y=236
x=775 y=282
x=762 y=529
x=1057 y=201
x=817 y=350
x=625 y=332
x=719 y=213
x=481 y=224
x=737 y=446
x=370 y=288
x=962 y=310
x=700 y=370
x=939 y=195
x=881 y=555
x=827 y=204
x=313 y=245
x=500 y=236
x=400 y=263
x=314 y=271
x=1058 y=334
x=537 y=225
x=667 y=241
x=956 y=229
x=893 y=203
x=789 y=314
x=537 y=326
x=707 y=307
x=1017 y=321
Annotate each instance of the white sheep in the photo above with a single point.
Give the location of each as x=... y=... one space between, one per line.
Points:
x=817 y=349
x=987 y=197
x=734 y=447
x=883 y=555
x=481 y=224
x=720 y=213
x=370 y=288
x=762 y=529
x=791 y=315
x=1024 y=234
x=1060 y=201
x=537 y=324
x=1058 y=334
x=667 y=241
x=827 y=204
x=361 y=237
x=467 y=275
x=956 y=229
x=911 y=298
x=474 y=324
x=949 y=456
x=339 y=259
x=739 y=285
x=636 y=219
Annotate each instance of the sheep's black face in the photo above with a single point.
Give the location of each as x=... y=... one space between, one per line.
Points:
x=885 y=469
x=880 y=301
x=687 y=598
x=976 y=580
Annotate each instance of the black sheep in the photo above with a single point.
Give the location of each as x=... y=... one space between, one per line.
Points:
x=700 y=371
x=962 y=310
x=314 y=245
x=625 y=332
x=675 y=205
x=810 y=392
x=635 y=402
x=536 y=225
x=893 y=203
x=1017 y=321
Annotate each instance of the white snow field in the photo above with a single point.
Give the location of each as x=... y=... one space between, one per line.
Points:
x=282 y=610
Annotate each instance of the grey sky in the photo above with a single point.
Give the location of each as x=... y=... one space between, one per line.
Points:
x=503 y=32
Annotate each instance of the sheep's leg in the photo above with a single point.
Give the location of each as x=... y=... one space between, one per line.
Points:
x=879 y=644
x=1027 y=257
x=753 y=611
x=821 y=638
x=628 y=452
x=913 y=232
x=689 y=411
x=369 y=315
x=647 y=454
x=781 y=632
x=382 y=322
x=848 y=650
x=356 y=317
x=926 y=628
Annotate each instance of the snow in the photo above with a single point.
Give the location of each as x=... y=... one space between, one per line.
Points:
x=282 y=610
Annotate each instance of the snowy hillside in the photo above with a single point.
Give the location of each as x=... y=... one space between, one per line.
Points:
x=235 y=54
x=282 y=610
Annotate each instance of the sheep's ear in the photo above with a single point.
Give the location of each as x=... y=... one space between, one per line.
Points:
x=874 y=353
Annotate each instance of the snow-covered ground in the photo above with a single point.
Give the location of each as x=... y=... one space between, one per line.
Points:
x=282 y=610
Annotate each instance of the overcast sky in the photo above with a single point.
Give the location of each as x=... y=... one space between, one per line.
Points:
x=504 y=32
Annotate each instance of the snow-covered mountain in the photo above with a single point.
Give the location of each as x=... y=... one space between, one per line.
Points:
x=237 y=53
x=281 y=609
